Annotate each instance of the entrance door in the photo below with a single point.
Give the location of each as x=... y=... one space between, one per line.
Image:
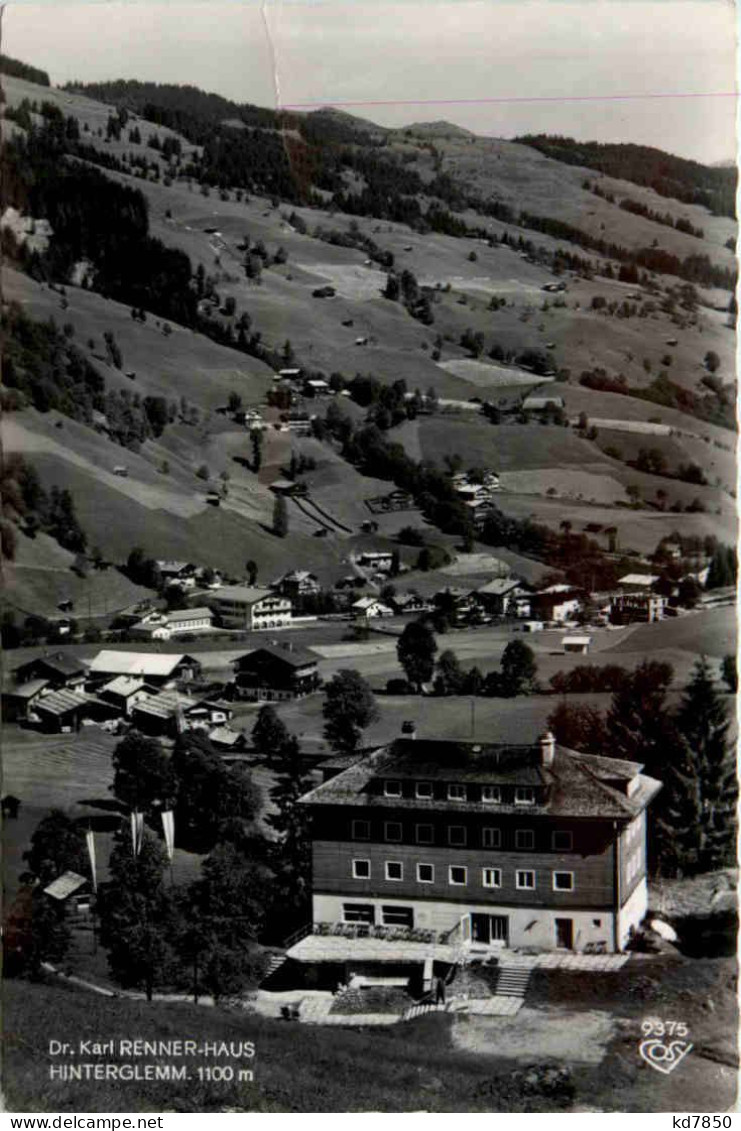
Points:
x=489 y=929
x=565 y=934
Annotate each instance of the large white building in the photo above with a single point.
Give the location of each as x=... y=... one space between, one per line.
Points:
x=246 y=606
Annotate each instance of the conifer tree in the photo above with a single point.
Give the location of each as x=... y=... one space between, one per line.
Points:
x=699 y=815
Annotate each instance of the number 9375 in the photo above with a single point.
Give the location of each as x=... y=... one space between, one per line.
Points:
x=656 y=1027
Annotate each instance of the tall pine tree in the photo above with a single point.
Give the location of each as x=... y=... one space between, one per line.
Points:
x=291 y=823
x=699 y=813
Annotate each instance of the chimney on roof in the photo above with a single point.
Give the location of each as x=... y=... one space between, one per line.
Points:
x=547 y=743
x=409 y=729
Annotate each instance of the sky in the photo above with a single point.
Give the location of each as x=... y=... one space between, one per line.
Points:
x=654 y=72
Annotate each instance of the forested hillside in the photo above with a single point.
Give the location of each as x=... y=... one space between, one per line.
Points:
x=689 y=181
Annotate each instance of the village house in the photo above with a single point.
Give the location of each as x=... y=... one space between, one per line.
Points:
x=410 y=603
x=177 y=573
x=274 y=672
x=368 y=608
x=297 y=583
x=556 y=603
x=163 y=626
x=637 y=607
x=498 y=596
x=170 y=713
x=162 y=670
x=18 y=700
x=485 y=844
x=635 y=601
x=124 y=691
x=64 y=712
x=57 y=670
x=379 y=560
x=252 y=608
x=459 y=602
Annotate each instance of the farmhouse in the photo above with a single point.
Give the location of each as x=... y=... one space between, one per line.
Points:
x=60 y=712
x=57 y=669
x=381 y=560
x=557 y=603
x=370 y=608
x=165 y=714
x=18 y=701
x=273 y=672
x=297 y=583
x=159 y=669
x=484 y=844
x=177 y=573
x=410 y=602
x=246 y=606
x=124 y=691
x=498 y=595
x=631 y=608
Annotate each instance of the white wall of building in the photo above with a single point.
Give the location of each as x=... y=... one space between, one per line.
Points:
x=528 y=926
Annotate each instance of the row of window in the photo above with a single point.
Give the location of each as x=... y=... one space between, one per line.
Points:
x=561 y=840
x=525 y=878
x=424 y=790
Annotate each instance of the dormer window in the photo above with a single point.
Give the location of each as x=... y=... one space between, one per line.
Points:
x=491 y=793
x=423 y=790
x=392 y=788
x=524 y=795
x=456 y=793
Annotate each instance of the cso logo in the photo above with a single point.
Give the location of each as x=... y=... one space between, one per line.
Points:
x=664 y=1046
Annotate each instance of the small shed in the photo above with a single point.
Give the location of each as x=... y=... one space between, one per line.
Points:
x=578 y=644
x=70 y=889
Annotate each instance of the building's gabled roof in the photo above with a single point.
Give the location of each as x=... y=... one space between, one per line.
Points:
x=647 y=579
x=65 y=885
x=226 y=736
x=165 y=705
x=574 y=785
x=28 y=690
x=166 y=566
x=500 y=586
x=123 y=685
x=294 y=655
x=58 y=662
x=244 y=594
x=368 y=603
x=137 y=663
x=297 y=575
x=188 y=614
x=60 y=702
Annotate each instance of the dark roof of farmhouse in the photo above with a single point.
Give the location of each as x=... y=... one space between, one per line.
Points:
x=58 y=662
x=575 y=785
x=292 y=654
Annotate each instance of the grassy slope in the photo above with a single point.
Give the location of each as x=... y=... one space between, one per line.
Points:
x=414 y=1067
x=40 y=577
x=186 y=364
